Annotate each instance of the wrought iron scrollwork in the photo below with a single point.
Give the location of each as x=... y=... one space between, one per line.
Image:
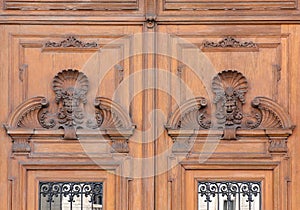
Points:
x=82 y=195
x=229 y=195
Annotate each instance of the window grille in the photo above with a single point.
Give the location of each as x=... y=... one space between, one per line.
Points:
x=229 y=195
x=70 y=196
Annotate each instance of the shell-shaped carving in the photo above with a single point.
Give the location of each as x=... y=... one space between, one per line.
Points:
x=70 y=78
x=229 y=79
x=25 y=115
x=111 y=119
x=189 y=119
x=29 y=118
x=111 y=114
x=186 y=115
x=270 y=119
x=273 y=115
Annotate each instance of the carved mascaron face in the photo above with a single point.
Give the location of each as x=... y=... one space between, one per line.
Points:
x=71 y=98
x=230 y=103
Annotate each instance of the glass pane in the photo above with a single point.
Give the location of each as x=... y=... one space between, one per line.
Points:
x=229 y=195
x=71 y=196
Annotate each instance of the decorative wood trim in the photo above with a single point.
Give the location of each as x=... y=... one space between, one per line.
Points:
x=25 y=115
x=273 y=115
x=33 y=118
x=230 y=44
x=22 y=70
x=120 y=73
x=70 y=42
x=183 y=116
x=43 y=5
x=243 y=5
x=267 y=119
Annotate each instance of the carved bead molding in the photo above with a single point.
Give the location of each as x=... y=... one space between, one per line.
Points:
x=70 y=42
x=229 y=42
x=68 y=118
x=227 y=119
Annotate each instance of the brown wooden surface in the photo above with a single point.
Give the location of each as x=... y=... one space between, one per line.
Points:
x=28 y=67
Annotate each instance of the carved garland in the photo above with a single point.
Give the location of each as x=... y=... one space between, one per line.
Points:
x=229 y=88
x=70 y=87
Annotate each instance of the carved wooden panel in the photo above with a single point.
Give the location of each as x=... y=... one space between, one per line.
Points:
x=266 y=120
x=228 y=109
x=228 y=8
x=63 y=52
x=32 y=177
x=44 y=57
x=253 y=47
x=229 y=5
x=246 y=95
x=32 y=117
x=69 y=5
x=192 y=177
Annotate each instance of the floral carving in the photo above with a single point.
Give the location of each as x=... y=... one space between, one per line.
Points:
x=229 y=42
x=71 y=41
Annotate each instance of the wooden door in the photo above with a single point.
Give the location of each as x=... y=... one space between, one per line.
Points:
x=212 y=152
x=151 y=105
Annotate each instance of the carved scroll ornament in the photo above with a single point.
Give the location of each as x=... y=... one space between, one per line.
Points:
x=70 y=42
x=33 y=117
x=229 y=42
x=266 y=119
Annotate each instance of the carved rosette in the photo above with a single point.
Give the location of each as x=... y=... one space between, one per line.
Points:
x=70 y=87
x=267 y=118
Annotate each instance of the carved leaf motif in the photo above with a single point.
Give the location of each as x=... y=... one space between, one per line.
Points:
x=72 y=42
x=229 y=42
x=204 y=120
x=253 y=120
x=45 y=120
x=21 y=146
x=278 y=145
x=120 y=146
